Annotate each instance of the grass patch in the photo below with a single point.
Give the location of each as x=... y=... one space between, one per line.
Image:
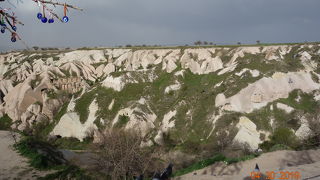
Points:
x=261 y=118
x=123 y=120
x=73 y=143
x=207 y=162
x=5 y=122
x=306 y=103
x=82 y=105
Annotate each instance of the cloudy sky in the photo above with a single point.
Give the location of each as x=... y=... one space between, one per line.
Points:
x=170 y=22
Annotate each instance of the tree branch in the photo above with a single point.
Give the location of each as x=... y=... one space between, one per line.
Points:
x=58 y=4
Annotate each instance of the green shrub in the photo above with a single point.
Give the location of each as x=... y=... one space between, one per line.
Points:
x=123 y=120
x=282 y=138
x=41 y=155
x=5 y=122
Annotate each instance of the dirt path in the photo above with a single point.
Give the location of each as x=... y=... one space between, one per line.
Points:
x=307 y=163
x=12 y=165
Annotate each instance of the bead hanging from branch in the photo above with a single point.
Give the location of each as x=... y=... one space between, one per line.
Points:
x=46 y=14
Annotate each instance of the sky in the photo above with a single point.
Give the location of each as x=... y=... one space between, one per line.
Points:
x=169 y=22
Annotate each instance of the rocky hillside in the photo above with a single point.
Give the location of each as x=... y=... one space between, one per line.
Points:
x=179 y=97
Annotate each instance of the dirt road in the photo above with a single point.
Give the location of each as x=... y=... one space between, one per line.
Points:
x=306 y=163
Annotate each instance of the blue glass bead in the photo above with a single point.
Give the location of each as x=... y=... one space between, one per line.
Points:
x=51 y=21
x=13 y=39
x=39 y=16
x=3 y=30
x=44 y=19
x=14 y=28
x=65 y=19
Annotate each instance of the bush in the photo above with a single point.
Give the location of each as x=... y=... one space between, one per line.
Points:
x=41 y=155
x=5 y=122
x=122 y=122
x=282 y=138
x=119 y=155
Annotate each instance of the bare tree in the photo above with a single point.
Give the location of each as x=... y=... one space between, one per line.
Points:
x=9 y=22
x=258 y=41
x=120 y=155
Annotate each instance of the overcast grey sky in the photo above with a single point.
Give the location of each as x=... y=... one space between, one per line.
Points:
x=171 y=22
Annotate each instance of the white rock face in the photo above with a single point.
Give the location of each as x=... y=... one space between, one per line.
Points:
x=254 y=73
x=71 y=105
x=200 y=61
x=115 y=83
x=111 y=105
x=86 y=56
x=180 y=73
x=303 y=132
x=167 y=123
x=70 y=125
x=268 y=89
x=158 y=139
x=285 y=107
x=247 y=134
x=139 y=120
x=220 y=100
x=173 y=87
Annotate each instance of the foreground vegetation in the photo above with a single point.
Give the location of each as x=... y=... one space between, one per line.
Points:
x=43 y=156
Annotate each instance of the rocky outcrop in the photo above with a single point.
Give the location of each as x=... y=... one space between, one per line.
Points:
x=247 y=136
x=285 y=107
x=71 y=85
x=136 y=118
x=70 y=125
x=268 y=89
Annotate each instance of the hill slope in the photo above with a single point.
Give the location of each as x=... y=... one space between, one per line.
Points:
x=184 y=98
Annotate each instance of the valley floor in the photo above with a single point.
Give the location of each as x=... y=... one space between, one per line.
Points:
x=12 y=165
x=307 y=163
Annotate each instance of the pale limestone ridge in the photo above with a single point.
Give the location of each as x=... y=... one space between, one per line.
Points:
x=31 y=82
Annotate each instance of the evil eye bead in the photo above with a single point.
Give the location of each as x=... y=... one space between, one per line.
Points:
x=13 y=39
x=3 y=30
x=44 y=19
x=14 y=28
x=39 y=16
x=51 y=21
x=65 y=19
x=4 y=25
